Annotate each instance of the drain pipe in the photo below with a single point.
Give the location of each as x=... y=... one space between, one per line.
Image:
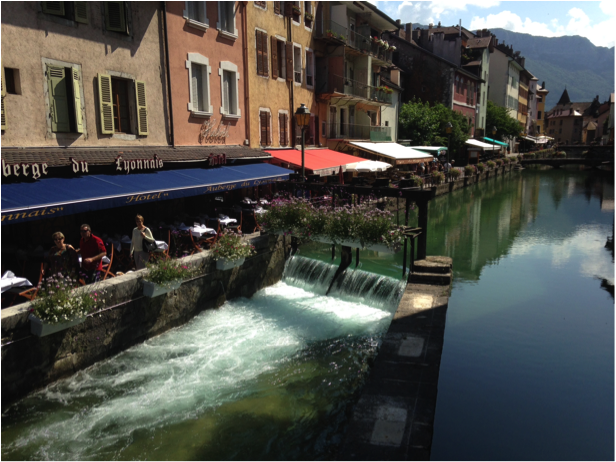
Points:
x=246 y=86
x=170 y=137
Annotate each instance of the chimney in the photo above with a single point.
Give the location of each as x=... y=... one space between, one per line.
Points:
x=430 y=26
x=543 y=84
x=439 y=24
x=408 y=29
x=479 y=33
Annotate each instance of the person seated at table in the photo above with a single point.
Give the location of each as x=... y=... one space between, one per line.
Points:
x=140 y=233
x=92 y=250
x=62 y=257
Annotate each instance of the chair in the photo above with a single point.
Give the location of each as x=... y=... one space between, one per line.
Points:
x=32 y=292
x=165 y=253
x=235 y=227
x=251 y=225
x=107 y=266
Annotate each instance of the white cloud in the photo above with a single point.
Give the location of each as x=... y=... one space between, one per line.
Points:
x=513 y=22
x=424 y=12
x=608 y=7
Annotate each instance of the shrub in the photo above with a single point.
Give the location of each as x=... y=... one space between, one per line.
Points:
x=469 y=170
x=513 y=159
x=454 y=173
x=561 y=154
x=288 y=215
x=417 y=181
x=529 y=155
x=491 y=164
x=61 y=300
x=499 y=162
x=438 y=177
x=481 y=167
x=231 y=246
x=506 y=160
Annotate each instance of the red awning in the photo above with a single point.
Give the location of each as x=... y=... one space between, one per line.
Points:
x=319 y=161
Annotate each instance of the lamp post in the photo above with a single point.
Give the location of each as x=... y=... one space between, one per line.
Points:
x=302 y=117
x=448 y=128
x=493 y=136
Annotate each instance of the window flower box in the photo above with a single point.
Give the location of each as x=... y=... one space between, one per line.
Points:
x=41 y=328
x=223 y=264
x=152 y=290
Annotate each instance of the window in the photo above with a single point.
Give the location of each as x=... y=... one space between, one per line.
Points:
x=64 y=89
x=199 y=72
x=342 y=131
x=283 y=128
x=264 y=121
x=279 y=67
x=297 y=64
x=277 y=8
x=310 y=68
x=308 y=15
x=74 y=11
x=12 y=81
x=115 y=17
x=196 y=15
x=229 y=90
x=261 y=4
x=539 y=115
x=296 y=11
x=122 y=105
x=262 y=60
x=226 y=19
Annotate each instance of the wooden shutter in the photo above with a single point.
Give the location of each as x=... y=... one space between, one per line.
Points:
x=289 y=56
x=264 y=128
x=284 y=131
x=58 y=99
x=274 y=43
x=265 y=57
x=77 y=100
x=277 y=7
x=81 y=12
x=53 y=8
x=114 y=16
x=259 y=52
x=288 y=8
x=142 y=108
x=3 y=88
x=105 y=104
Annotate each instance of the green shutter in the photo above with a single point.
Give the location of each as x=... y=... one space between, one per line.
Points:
x=53 y=8
x=142 y=108
x=105 y=104
x=81 y=12
x=114 y=16
x=77 y=100
x=58 y=99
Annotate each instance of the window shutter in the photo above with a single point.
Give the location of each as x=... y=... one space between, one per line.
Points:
x=81 y=12
x=274 y=43
x=288 y=8
x=289 y=53
x=282 y=120
x=58 y=100
x=2 y=96
x=263 y=117
x=192 y=10
x=53 y=8
x=226 y=88
x=114 y=16
x=265 y=57
x=195 y=85
x=259 y=53
x=105 y=104
x=77 y=100
x=142 y=108
x=277 y=7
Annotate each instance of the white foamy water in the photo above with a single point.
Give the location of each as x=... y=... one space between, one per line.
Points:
x=139 y=403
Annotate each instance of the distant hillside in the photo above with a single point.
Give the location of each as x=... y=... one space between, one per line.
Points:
x=569 y=61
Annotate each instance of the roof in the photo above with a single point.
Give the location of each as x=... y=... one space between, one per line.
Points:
x=391 y=150
x=564 y=98
x=320 y=161
x=436 y=149
x=55 y=157
x=479 y=42
x=453 y=30
x=67 y=196
x=484 y=146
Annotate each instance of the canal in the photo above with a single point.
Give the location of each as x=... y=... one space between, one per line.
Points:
x=527 y=370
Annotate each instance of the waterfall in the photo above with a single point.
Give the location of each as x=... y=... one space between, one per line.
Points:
x=352 y=285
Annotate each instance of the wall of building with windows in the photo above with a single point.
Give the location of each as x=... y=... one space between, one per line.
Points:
x=83 y=74
x=206 y=65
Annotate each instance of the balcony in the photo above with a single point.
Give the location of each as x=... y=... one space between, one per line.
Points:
x=362 y=44
x=355 y=90
x=357 y=132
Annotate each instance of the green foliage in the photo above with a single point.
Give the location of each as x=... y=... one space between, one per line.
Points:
x=469 y=170
x=499 y=162
x=506 y=126
x=166 y=271
x=438 y=177
x=425 y=125
x=481 y=167
x=561 y=154
x=230 y=246
x=417 y=181
x=454 y=173
x=491 y=164
x=61 y=300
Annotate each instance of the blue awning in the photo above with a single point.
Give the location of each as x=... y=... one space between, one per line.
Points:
x=495 y=141
x=66 y=196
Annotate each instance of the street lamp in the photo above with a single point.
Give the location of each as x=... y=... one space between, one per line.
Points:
x=302 y=117
x=493 y=136
x=448 y=128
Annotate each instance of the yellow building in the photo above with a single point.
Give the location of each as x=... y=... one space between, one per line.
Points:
x=542 y=94
x=281 y=72
x=523 y=97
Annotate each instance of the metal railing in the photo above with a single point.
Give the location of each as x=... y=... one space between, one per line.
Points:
x=340 y=84
x=354 y=131
x=351 y=38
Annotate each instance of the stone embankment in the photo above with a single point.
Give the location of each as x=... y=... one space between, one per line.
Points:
x=30 y=362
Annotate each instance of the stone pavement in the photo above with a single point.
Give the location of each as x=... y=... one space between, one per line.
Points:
x=394 y=417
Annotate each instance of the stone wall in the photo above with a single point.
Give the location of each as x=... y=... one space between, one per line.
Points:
x=30 y=362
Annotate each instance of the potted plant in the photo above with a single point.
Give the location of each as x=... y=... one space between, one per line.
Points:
x=342 y=37
x=499 y=162
x=61 y=304
x=469 y=170
x=164 y=276
x=331 y=34
x=481 y=167
x=417 y=181
x=491 y=164
x=297 y=10
x=308 y=16
x=438 y=177
x=454 y=173
x=230 y=250
x=392 y=48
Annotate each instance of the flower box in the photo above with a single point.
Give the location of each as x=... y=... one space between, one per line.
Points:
x=224 y=264
x=154 y=290
x=41 y=328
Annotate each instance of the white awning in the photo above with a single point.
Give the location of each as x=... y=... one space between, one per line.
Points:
x=482 y=145
x=401 y=154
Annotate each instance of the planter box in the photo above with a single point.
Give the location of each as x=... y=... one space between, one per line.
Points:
x=41 y=329
x=223 y=264
x=154 y=290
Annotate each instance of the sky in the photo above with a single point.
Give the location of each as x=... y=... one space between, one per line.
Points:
x=595 y=20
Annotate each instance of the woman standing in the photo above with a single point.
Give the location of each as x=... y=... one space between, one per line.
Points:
x=63 y=257
x=140 y=233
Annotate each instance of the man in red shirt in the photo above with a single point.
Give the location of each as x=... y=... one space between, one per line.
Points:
x=92 y=252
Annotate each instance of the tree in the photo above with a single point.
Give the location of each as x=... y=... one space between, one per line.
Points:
x=506 y=126
x=426 y=126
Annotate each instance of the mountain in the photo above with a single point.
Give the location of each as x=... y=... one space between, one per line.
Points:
x=573 y=62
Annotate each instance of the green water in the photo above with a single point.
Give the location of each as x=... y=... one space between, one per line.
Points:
x=527 y=371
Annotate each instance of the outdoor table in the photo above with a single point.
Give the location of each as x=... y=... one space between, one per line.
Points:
x=10 y=281
x=199 y=230
x=225 y=220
